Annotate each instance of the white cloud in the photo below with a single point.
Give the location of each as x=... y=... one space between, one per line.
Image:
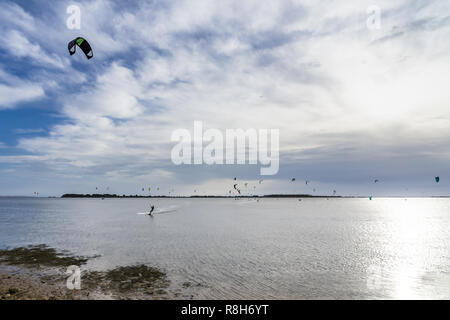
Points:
x=9 y=96
x=116 y=95
x=13 y=90
x=13 y=15
x=28 y=131
x=18 y=45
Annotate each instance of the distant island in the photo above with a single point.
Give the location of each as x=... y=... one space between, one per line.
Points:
x=74 y=195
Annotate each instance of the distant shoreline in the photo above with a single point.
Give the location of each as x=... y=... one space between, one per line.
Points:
x=195 y=196
x=115 y=196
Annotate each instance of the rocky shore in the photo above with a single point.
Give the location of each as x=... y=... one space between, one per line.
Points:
x=39 y=273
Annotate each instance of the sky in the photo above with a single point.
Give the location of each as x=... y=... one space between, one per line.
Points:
x=352 y=103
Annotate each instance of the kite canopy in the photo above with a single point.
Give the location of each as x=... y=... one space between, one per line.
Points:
x=437 y=179
x=84 y=46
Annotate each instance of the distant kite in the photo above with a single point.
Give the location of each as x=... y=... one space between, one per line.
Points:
x=437 y=179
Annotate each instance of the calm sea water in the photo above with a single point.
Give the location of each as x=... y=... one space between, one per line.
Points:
x=274 y=248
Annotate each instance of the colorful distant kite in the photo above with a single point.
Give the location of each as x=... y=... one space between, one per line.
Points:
x=83 y=45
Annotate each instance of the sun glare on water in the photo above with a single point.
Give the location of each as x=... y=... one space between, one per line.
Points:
x=410 y=248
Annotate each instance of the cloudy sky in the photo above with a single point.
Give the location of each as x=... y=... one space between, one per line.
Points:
x=352 y=103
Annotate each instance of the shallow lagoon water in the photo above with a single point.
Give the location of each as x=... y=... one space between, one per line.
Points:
x=243 y=249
